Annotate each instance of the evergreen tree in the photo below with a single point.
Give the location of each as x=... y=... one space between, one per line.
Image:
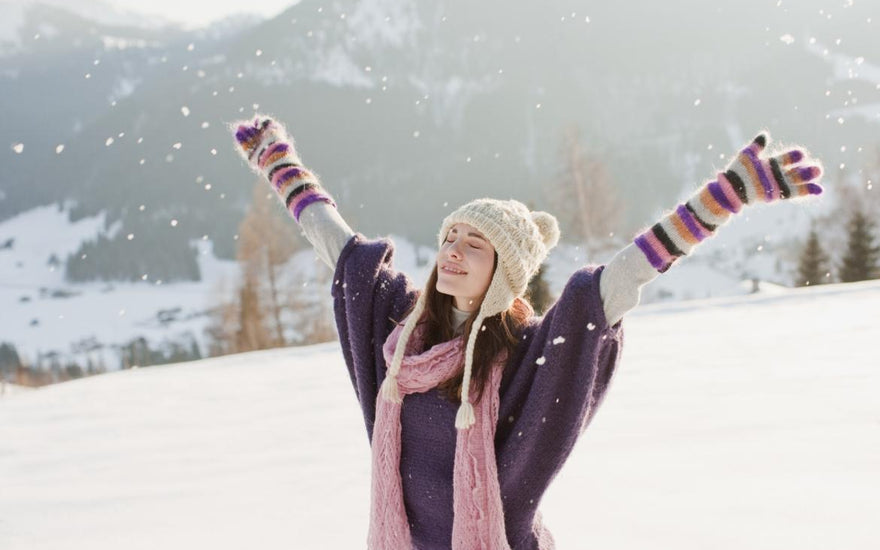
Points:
x=538 y=292
x=813 y=262
x=9 y=360
x=861 y=261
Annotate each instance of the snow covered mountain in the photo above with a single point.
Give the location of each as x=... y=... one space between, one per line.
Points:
x=725 y=441
x=15 y=19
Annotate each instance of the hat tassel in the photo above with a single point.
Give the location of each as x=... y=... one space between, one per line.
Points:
x=465 y=418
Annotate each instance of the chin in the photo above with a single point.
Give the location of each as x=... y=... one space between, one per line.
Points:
x=441 y=288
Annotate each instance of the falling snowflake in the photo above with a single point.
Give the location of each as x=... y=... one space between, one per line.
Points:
x=59 y=149
x=541 y=360
x=109 y=142
x=184 y=110
x=558 y=340
x=787 y=39
x=177 y=145
x=205 y=124
x=591 y=326
x=18 y=148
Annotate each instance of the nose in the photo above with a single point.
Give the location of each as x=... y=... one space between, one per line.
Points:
x=453 y=250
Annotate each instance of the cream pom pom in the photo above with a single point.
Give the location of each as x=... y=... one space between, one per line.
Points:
x=548 y=226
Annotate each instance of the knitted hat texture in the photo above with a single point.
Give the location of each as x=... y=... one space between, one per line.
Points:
x=522 y=239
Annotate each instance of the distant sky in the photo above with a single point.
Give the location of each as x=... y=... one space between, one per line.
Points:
x=196 y=13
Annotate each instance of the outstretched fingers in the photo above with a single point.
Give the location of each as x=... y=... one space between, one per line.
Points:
x=789 y=157
x=802 y=174
x=802 y=180
x=758 y=144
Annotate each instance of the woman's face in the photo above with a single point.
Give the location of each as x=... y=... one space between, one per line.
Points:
x=466 y=250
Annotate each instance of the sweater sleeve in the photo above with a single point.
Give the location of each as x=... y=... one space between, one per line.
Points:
x=553 y=385
x=369 y=296
x=326 y=230
x=622 y=281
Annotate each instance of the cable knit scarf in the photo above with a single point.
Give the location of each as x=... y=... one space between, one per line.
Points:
x=478 y=514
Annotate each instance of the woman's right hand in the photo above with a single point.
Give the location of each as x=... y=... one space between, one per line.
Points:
x=269 y=151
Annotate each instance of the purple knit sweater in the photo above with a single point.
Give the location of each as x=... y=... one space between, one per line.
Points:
x=544 y=407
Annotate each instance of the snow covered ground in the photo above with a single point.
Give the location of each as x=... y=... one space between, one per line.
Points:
x=740 y=422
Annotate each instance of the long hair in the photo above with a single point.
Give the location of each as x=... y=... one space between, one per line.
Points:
x=502 y=331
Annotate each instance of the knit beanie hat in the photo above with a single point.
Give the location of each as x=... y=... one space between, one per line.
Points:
x=522 y=240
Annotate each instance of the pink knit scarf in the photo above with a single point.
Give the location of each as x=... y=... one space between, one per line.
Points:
x=478 y=514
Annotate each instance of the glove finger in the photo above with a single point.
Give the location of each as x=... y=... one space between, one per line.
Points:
x=801 y=174
x=758 y=144
x=814 y=188
x=792 y=156
x=806 y=189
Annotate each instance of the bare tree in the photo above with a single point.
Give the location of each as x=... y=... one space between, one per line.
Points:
x=583 y=195
x=266 y=243
x=313 y=313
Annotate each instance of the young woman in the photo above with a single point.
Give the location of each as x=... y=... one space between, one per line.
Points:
x=472 y=403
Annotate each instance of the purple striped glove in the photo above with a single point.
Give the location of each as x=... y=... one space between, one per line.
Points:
x=270 y=152
x=748 y=179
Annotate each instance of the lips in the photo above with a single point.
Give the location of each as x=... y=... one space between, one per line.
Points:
x=452 y=270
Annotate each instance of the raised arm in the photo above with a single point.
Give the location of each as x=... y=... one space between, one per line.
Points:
x=270 y=152
x=750 y=178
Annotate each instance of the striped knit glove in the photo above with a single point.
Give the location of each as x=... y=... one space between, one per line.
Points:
x=270 y=152
x=748 y=179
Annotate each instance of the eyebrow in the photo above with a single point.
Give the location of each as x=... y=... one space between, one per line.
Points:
x=470 y=234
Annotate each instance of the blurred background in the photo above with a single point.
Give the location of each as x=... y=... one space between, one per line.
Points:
x=132 y=234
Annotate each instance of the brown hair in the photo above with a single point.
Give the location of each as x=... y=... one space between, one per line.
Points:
x=502 y=331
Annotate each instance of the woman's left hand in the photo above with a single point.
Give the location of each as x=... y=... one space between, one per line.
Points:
x=755 y=177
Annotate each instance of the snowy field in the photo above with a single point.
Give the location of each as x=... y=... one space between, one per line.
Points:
x=739 y=422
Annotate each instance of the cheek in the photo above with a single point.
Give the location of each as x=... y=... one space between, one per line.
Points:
x=486 y=261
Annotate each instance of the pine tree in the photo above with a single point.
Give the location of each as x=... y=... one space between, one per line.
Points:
x=861 y=261
x=538 y=292
x=812 y=264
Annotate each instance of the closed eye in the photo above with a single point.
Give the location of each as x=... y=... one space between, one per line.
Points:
x=472 y=246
